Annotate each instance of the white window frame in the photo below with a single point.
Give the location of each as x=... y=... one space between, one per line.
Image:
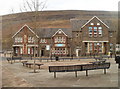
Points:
x=21 y=50
x=28 y=50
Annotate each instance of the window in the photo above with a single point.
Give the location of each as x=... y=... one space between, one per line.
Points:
x=32 y=49
x=59 y=51
x=43 y=41
x=99 y=27
x=100 y=32
x=90 y=31
x=28 y=50
x=95 y=31
x=60 y=32
x=90 y=47
x=21 y=50
x=30 y=39
x=60 y=39
x=98 y=23
x=100 y=47
x=95 y=28
x=16 y=50
x=95 y=47
x=90 y=28
x=91 y=23
x=111 y=47
x=18 y=39
x=111 y=34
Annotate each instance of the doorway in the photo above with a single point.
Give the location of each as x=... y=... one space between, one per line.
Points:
x=78 y=51
x=42 y=52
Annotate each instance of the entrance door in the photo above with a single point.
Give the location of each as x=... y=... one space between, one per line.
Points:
x=77 y=52
x=42 y=52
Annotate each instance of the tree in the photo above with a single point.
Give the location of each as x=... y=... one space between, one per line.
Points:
x=33 y=6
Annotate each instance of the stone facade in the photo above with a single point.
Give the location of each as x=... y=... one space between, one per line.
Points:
x=90 y=37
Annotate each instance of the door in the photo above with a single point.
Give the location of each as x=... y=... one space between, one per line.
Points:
x=42 y=52
x=78 y=52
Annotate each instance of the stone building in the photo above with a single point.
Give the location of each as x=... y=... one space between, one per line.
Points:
x=85 y=37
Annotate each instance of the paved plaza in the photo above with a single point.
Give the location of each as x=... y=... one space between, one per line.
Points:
x=17 y=75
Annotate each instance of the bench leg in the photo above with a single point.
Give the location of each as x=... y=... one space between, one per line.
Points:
x=75 y=73
x=39 y=67
x=54 y=74
x=104 y=71
x=86 y=72
x=29 y=66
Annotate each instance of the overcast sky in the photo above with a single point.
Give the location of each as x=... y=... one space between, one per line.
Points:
x=106 y=5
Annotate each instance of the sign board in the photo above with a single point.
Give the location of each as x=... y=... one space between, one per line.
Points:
x=59 y=45
x=47 y=47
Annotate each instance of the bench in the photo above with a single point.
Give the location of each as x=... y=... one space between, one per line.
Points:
x=24 y=62
x=14 y=58
x=100 y=61
x=8 y=59
x=98 y=58
x=82 y=67
x=17 y=58
x=29 y=64
x=105 y=56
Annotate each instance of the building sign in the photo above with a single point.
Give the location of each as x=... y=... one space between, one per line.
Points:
x=59 y=45
x=47 y=47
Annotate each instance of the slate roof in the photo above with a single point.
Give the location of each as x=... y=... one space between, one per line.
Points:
x=49 y=32
x=76 y=24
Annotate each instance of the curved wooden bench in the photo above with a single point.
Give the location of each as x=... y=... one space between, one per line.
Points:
x=75 y=68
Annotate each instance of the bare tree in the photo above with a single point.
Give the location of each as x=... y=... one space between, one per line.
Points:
x=34 y=6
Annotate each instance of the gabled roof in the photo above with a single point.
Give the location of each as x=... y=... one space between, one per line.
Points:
x=58 y=31
x=96 y=18
x=22 y=29
x=49 y=32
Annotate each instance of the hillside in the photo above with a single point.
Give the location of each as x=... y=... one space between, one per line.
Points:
x=48 y=19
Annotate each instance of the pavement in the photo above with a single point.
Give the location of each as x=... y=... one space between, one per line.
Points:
x=16 y=75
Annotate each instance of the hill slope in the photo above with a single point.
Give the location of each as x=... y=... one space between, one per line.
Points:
x=49 y=19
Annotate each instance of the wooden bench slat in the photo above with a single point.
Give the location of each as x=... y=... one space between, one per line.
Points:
x=75 y=68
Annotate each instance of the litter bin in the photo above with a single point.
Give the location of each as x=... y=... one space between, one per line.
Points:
x=117 y=59
x=57 y=58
